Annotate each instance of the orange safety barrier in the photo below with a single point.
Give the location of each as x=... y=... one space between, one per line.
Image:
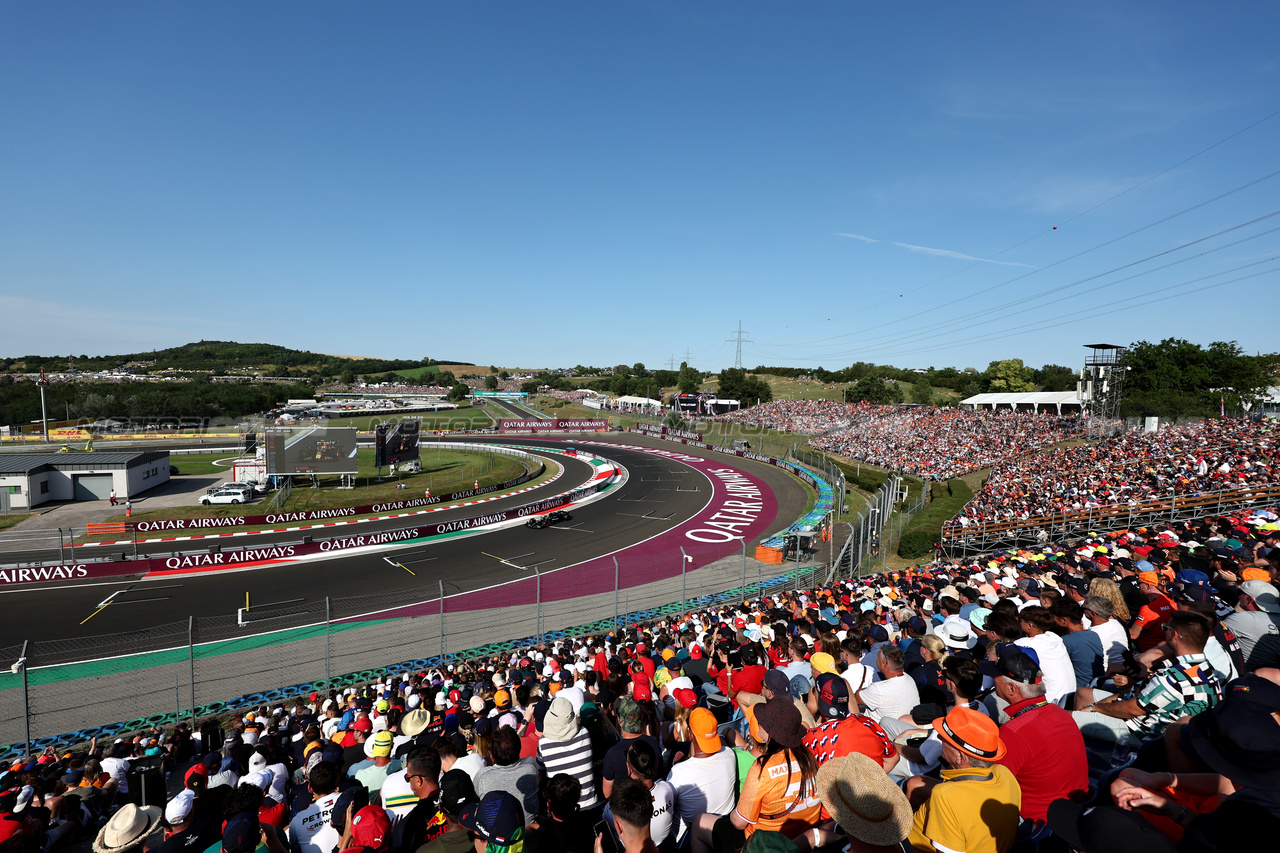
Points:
x=117 y=528
x=768 y=555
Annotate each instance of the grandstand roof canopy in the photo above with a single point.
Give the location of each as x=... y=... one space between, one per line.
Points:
x=1023 y=399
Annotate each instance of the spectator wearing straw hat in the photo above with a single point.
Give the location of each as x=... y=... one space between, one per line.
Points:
x=975 y=806
x=127 y=829
x=869 y=809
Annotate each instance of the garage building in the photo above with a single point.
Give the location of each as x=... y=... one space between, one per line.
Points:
x=30 y=479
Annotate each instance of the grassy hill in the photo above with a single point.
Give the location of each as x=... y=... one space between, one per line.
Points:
x=220 y=357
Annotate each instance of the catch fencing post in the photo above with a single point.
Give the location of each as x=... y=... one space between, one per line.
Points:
x=743 y=540
x=177 y=700
x=442 y=618
x=616 y=575
x=191 y=662
x=26 y=714
x=684 y=558
x=538 y=576
x=327 y=618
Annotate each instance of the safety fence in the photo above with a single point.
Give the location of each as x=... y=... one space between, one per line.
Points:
x=58 y=693
x=187 y=669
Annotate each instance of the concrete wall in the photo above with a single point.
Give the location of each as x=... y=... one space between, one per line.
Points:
x=139 y=479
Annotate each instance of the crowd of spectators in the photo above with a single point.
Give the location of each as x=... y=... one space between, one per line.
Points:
x=933 y=443
x=1131 y=469
x=1115 y=693
x=812 y=417
x=940 y=443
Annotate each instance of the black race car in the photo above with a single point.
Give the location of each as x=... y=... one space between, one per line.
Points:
x=537 y=522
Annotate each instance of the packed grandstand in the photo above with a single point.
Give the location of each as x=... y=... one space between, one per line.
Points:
x=926 y=442
x=1114 y=692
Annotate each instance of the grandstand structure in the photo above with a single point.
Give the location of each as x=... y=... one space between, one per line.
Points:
x=960 y=540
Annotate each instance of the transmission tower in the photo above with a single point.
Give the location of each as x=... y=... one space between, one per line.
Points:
x=739 y=339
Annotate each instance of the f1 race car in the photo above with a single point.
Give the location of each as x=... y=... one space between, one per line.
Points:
x=537 y=522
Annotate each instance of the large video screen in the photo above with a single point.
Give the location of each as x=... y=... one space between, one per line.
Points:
x=311 y=450
x=396 y=443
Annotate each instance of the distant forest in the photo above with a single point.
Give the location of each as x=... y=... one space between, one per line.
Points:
x=220 y=357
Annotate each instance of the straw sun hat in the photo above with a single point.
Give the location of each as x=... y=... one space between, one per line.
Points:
x=127 y=828
x=864 y=801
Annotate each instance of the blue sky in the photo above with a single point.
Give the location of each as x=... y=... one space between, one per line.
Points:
x=544 y=184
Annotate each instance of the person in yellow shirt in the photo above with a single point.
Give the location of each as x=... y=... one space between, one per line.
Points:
x=974 y=809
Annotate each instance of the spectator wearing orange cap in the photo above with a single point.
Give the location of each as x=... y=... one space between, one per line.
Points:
x=975 y=806
x=706 y=782
x=1147 y=630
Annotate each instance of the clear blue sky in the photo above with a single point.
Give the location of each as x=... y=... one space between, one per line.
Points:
x=544 y=184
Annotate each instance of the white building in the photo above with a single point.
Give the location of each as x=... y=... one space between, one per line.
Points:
x=30 y=479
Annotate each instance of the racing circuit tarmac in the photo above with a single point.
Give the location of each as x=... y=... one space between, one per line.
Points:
x=659 y=495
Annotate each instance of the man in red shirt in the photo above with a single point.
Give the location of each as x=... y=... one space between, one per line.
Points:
x=1044 y=748
x=748 y=679
x=1147 y=630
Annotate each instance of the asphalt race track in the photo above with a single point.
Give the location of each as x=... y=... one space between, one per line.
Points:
x=575 y=472
x=606 y=526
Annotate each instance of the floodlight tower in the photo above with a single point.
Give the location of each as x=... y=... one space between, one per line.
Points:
x=1102 y=381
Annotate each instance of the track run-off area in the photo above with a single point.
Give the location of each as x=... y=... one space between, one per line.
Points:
x=671 y=497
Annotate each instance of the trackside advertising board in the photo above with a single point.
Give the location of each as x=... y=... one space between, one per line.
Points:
x=325 y=514
x=510 y=426
x=267 y=554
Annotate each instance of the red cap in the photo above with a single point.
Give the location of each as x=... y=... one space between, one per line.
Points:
x=739 y=622
x=641 y=691
x=363 y=724
x=371 y=828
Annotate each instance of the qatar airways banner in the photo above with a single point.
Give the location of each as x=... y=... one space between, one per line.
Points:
x=508 y=426
x=650 y=429
x=267 y=554
x=326 y=514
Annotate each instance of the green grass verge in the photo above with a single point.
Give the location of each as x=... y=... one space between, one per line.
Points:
x=200 y=463
x=13 y=518
x=925 y=530
x=449 y=471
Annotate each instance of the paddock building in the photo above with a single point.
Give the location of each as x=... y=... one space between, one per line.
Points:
x=30 y=479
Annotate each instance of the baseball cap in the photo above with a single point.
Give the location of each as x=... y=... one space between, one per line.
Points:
x=1263 y=594
x=686 y=697
x=833 y=696
x=496 y=818
x=1018 y=666
x=362 y=724
x=705 y=729
x=371 y=827
x=502 y=700
x=629 y=715
x=382 y=742
x=456 y=792
x=776 y=681
x=822 y=662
